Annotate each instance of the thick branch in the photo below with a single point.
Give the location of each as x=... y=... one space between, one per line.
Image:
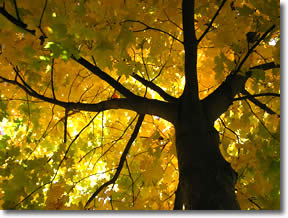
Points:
x=212 y=21
x=140 y=105
x=122 y=160
x=156 y=88
x=190 y=46
x=219 y=101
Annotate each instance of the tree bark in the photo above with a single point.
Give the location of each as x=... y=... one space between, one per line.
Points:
x=206 y=180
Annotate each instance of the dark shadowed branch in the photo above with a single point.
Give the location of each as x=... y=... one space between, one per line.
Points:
x=190 y=47
x=249 y=52
x=121 y=162
x=258 y=103
x=212 y=21
x=98 y=72
x=140 y=105
x=156 y=88
x=16 y=21
x=257 y=95
x=261 y=122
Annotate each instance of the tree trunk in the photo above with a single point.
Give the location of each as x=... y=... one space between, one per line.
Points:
x=206 y=180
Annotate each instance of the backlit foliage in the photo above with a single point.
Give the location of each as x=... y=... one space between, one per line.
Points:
x=39 y=171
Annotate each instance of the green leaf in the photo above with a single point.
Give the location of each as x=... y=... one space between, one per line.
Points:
x=245 y=11
x=258 y=74
x=219 y=66
x=29 y=51
x=123 y=69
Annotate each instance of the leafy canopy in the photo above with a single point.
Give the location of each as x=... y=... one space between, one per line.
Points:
x=144 y=37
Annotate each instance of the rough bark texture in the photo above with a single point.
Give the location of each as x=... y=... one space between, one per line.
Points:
x=206 y=180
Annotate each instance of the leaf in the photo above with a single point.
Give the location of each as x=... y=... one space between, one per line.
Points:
x=258 y=74
x=123 y=69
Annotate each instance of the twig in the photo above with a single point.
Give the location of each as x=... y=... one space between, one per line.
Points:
x=237 y=136
x=147 y=27
x=260 y=121
x=132 y=183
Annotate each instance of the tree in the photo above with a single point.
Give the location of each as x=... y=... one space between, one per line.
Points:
x=140 y=104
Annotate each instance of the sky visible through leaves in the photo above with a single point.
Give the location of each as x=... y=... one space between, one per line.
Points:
x=55 y=159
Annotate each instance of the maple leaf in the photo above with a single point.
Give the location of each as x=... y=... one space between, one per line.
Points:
x=193 y=124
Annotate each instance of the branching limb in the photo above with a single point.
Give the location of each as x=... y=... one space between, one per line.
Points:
x=258 y=103
x=16 y=21
x=98 y=72
x=140 y=105
x=261 y=121
x=156 y=88
x=121 y=162
x=226 y=127
x=59 y=165
x=212 y=21
x=147 y=27
x=218 y=101
x=249 y=52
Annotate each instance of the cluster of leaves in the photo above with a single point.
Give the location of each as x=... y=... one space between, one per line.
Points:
x=39 y=171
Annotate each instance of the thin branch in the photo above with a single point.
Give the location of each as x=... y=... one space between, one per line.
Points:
x=260 y=121
x=154 y=87
x=257 y=95
x=132 y=183
x=40 y=23
x=52 y=82
x=16 y=9
x=171 y=21
x=212 y=21
x=75 y=138
x=122 y=160
x=258 y=103
x=147 y=27
x=65 y=125
x=59 y=165
x=98 y=72
x=237 y=136
x=143 y=60
x=253 y=47
x=139 y=105
x=266 y=66
x=15 y=21
x=115 y=141
x=253 y=202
